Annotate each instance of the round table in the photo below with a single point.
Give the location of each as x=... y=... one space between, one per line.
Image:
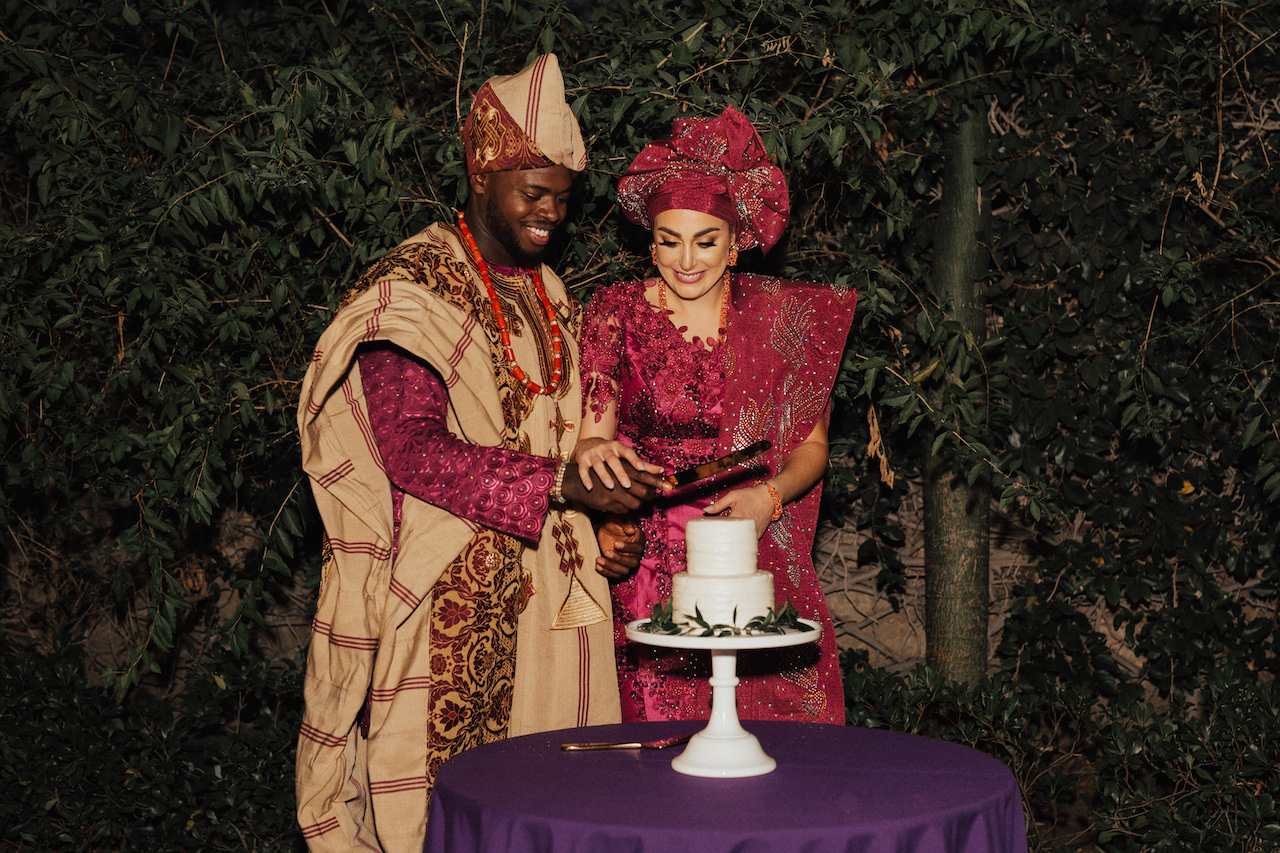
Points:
x=836 y=788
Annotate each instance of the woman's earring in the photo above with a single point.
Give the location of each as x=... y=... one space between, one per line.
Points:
x=733 y=255
x=653 y=253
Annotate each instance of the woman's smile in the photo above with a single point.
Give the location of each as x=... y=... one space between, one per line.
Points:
x=691 y=250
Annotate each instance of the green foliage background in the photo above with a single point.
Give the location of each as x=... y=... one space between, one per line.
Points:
x=186 y=187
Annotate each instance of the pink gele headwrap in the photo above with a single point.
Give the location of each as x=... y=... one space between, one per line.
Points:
x=717 y=166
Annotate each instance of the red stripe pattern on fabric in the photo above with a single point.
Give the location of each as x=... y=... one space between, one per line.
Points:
x=369 y=548
x=374 y=324
x=396 y=786
x=360 y=415
x=388 y=694
x=346 y=641
x=321 y=738
x=464 y=341
x=316 y=830
x=535 y=98
x=336 y=474
x=584 y=675
x=403 y=593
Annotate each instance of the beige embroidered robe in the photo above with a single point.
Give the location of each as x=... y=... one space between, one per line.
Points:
x=386 y=632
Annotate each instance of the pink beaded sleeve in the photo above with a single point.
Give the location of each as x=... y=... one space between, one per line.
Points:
x=601 y=352
x=499 y=488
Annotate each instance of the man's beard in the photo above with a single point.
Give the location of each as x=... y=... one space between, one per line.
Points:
x=502 y=231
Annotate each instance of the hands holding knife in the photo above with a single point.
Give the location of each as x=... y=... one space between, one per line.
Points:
x=608 y=459
x=612 y=477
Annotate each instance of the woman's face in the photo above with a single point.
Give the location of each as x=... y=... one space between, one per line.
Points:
x=692 y=250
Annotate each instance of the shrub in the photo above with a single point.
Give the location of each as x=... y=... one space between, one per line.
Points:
x=86 y=772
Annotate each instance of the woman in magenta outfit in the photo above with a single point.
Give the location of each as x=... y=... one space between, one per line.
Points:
x=696 y=362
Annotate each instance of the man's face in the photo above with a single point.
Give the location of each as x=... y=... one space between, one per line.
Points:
x=519 y=212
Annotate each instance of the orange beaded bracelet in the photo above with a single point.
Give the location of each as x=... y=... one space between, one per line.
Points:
x=777 y=501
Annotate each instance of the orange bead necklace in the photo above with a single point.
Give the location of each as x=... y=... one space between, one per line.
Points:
x=557 y=359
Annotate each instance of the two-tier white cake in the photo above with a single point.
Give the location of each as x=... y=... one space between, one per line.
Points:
x=722 y=581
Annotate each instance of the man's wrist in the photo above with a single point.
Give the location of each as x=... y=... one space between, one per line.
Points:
x=557 y=485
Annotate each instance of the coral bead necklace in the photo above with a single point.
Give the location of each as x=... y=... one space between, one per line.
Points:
x=557 y=365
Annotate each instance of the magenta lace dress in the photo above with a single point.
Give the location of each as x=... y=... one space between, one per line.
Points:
x=681 y=403
x=670 y=394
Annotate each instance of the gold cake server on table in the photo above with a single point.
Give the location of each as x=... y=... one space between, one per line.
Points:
x=685 y=476
x=628 y=744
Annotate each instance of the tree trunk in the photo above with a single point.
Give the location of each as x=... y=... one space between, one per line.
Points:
x=957 y=560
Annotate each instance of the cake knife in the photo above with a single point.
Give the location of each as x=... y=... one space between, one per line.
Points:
x=685 y=476
x=632 y=744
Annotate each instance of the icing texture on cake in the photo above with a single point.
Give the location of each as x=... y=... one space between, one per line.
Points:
x=722 y=583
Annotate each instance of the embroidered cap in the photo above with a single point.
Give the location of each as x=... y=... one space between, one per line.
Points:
x=522 y=121
x=717 y=166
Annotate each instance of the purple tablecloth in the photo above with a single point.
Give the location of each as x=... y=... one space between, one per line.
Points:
x=836 y=789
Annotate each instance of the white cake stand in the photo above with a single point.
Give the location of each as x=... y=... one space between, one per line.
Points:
x=724 y=749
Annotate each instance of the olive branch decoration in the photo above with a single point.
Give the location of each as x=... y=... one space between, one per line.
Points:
x=773 y=621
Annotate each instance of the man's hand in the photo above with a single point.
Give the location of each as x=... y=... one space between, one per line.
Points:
x=621 y=547
x=616 y=501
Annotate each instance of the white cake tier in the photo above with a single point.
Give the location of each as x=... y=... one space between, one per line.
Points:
x=721 y=547
x=717 y=598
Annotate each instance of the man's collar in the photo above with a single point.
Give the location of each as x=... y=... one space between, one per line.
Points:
x=508 y=271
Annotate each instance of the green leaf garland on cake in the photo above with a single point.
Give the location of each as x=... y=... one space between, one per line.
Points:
x=662 y=621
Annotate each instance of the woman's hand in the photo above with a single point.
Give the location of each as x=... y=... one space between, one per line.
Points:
x=604 y=456
x=800 y=472
x=753 y=502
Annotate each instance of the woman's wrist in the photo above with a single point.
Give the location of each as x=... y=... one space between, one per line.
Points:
x=776 y=499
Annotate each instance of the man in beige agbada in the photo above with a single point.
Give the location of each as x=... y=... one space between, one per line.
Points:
x=459 y=602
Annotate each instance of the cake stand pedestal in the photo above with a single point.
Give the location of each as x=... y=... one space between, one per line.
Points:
x=724 y=749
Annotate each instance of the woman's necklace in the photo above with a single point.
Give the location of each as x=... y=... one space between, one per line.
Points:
x=724 y=302
x=557 y=359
